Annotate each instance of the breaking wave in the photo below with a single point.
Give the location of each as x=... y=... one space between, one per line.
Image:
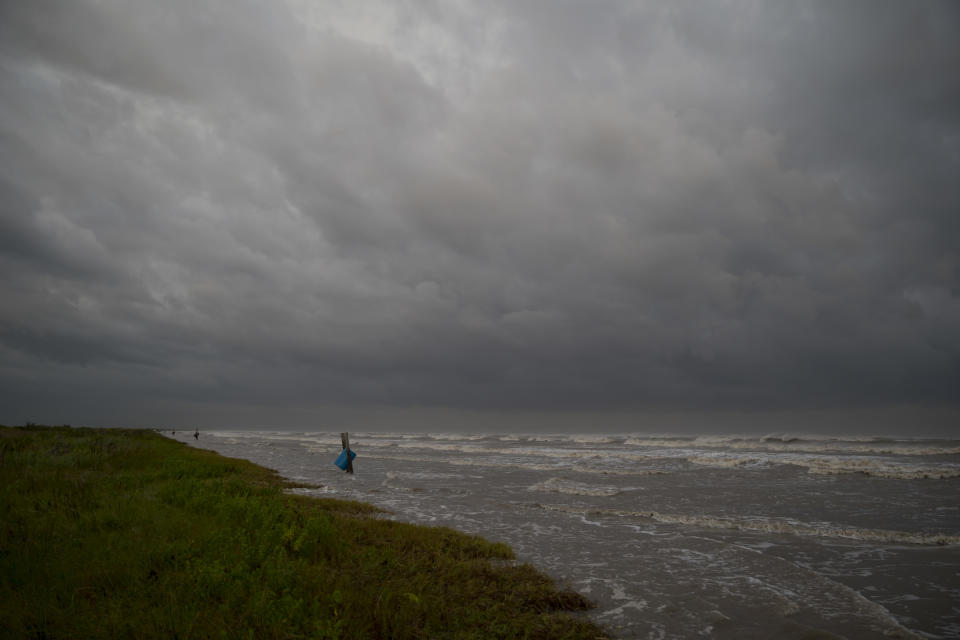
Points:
x=591 y=439
x=400 y=481
x=881 y=468
x=728 y=461
x=772 y=525
x=626 y=460
x=530 y=466
x=423 y=475
x=797 y=444
x=876 y=457
x=837 y=465
x=570 y=487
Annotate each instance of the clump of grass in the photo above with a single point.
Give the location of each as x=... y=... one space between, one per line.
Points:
x=125 y=533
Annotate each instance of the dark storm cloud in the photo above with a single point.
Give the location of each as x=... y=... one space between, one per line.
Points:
x=533 y=206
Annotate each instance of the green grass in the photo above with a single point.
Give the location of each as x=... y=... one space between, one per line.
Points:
x=108 y=533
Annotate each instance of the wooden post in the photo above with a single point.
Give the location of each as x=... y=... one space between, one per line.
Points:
x=345 y=441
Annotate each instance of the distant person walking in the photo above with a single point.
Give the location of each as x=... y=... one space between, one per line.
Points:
x=196 y=434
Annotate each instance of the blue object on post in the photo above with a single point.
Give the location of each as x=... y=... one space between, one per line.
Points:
x=342 y=459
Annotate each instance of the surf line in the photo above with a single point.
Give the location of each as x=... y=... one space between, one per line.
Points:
x=774 y=526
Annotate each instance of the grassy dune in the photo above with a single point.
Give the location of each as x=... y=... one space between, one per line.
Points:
x=108 y=533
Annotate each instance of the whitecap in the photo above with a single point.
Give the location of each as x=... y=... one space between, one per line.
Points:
x=774 y=525
x=570 y=487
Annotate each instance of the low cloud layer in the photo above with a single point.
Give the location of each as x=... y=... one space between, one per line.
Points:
x=211 y=206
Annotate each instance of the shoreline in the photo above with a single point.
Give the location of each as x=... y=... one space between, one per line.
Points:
x=111 y=532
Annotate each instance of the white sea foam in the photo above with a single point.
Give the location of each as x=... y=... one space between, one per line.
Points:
x=881 y=468
x=401 y=481
x=469 y=448
x=581 y=459
x=544 y=437
x=310 y=491
x=735 y=455
x=469 y=437
x=780 y=437
x=728 y=461
x=570 y=487
x=888 y=448
x=639 y=605
x=233 y=434
x=659 y=442
x=729 y=579
x=799 y=444
x=834 y=465
x=773 y=525
x=423 y=475
x=715 y=451
x=592 y=439
x=786 y=443
x=530 y=466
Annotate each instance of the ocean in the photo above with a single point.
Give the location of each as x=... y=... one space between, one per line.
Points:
x=777 y=536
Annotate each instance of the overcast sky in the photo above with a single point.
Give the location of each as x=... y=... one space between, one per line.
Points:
x=304 y=213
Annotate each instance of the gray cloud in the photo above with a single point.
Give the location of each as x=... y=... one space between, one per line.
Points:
x=540 y=206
